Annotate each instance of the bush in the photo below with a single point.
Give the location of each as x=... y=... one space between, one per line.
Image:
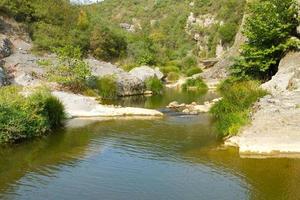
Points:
x=227 y=32
x=173 y=76
x=106 y=44
x=107 y=87
x=194 y=84
x=193 y=70
x=189 y=62
x=22 y=118
x=233 y=111
x=169 y=68
x=154 y=84
x=142 y=50
x=71 y=71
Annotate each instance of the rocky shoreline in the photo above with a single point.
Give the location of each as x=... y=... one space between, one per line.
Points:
x=275 y=127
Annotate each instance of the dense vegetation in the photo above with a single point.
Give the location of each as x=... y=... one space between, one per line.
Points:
x=22 y=118
x=270 y=29
x=160 y=34
x=233 y=111
x=194 y=84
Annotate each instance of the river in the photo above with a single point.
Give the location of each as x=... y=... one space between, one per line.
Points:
x=177 y=157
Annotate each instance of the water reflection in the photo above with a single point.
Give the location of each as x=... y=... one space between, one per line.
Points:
x=177 y=157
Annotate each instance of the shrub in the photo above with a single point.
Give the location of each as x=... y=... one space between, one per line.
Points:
x=227 y=32
x=106 y=44
x=154 y=84
x=22 y=118
x=188 y=62
x=193 y=70
x=173 y=76
x=49 y=106
x=71 y=71
x=142 y=50
x=107 y=87
x=233 y=111
x=169 y=68
x=195 y=84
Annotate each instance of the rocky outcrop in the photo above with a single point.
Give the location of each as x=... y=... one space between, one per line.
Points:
x=22 y=66
x=275 y=127
x=5 y=47
x=221 y=69
x=127 y=83
x=145 y=72
x=287 y=77
x=128 y=27
x=78 y=106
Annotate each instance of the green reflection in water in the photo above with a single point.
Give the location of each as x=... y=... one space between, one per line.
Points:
x=179 y=157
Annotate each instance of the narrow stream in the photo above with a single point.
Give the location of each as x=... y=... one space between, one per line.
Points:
x=178 y=157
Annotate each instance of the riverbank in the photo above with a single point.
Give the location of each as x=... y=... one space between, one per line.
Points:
x=275 y=127
x=79 y=106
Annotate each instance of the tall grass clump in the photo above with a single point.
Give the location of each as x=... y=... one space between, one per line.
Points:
x=193 y=70
x=154 y=84
x=107 y=87
x=196 y=84
x=233 y=111
x=27 y=117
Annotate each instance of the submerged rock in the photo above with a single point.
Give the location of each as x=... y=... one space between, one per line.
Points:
x=193 y=108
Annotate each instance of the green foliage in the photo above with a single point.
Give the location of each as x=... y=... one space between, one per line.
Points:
x=71 y=71
x=228 y=32
x=194 y=84
x=193 y=70
x=106 y=44
x=233 y=111
x=269 y=28
x=22 y=118
x=154 y=84
x=107 y=87
x=142 y=50
x=169 y=68
x=189 y=62
x=173 y=76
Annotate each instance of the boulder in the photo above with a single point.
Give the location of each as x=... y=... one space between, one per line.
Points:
x=287 y=76
x=145 y=72
x=5 y=47
x=127 y=83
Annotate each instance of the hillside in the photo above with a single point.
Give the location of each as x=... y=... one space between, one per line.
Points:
x=204 y=28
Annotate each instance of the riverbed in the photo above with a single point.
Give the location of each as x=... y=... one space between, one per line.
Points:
x=177 y=157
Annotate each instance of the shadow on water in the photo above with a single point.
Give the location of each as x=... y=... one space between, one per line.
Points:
x=177 y=157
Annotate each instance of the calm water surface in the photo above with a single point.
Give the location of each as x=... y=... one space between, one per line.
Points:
x=177 y=158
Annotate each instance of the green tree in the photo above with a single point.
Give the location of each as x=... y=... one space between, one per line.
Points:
x=268 y=29
x=106 y=44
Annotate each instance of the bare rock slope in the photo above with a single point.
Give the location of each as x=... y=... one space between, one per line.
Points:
x=275 y=128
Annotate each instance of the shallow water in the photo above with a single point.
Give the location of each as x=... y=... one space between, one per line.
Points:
x=178 y=158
